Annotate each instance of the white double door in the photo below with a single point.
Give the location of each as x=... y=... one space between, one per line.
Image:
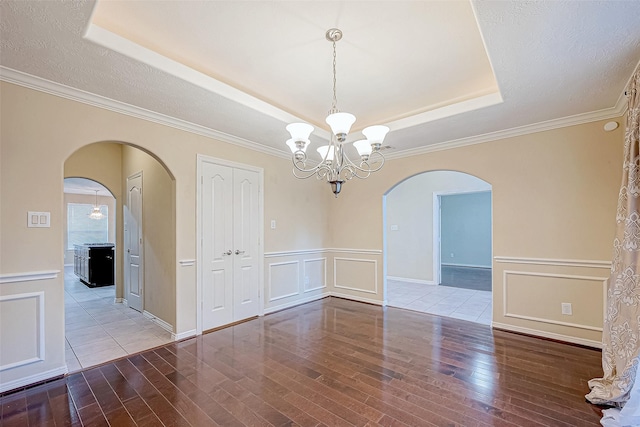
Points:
x=230 y=215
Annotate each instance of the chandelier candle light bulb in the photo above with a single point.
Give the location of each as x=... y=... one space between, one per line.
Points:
x=335 y=166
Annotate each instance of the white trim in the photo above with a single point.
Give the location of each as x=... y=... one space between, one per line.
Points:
x=158 y=321
x=297 y=263
x=554 y=262
x=119 y=300
x=184 y=335
x=505 y=311
x=606 y=113
x=355 y=251
x=29 y=276
x=321 y=250
x=304 y=274
x=550 y=335
x=487 y=267
x=408 y=280
x=32 y=379
x=68 y=265
x=293 y=253
x=187 y=262
x=296 y=303
x=375 y=279
x=358 y=298
x=67 y=92
x=40 y=353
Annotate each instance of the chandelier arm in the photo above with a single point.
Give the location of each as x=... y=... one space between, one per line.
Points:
x=297 y=175
x=368 y=169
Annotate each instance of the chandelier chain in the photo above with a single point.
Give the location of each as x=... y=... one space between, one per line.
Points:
x=335 y=96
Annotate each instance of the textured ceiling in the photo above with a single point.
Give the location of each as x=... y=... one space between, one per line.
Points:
x=550 y=59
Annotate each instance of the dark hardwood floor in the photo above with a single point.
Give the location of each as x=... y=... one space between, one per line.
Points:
x=332 y=362
x=478 y=279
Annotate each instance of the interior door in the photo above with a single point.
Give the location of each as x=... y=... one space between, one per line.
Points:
x=217 y=245
x=134 y=276
x=246 y=243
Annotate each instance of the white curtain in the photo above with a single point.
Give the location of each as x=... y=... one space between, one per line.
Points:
x=621 y=334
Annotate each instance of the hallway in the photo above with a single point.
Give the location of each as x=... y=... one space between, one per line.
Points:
x=98 y=330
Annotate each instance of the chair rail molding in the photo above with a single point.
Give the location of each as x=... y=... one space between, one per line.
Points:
x=29 y=276
x=554 y=262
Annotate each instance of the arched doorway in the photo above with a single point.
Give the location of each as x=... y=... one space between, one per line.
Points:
x=101 y=327
x=419 y=276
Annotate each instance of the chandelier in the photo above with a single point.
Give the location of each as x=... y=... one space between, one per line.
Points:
x=96 y=213
x=336 y=167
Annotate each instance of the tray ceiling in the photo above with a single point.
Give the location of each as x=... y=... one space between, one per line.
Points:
x=435 y=72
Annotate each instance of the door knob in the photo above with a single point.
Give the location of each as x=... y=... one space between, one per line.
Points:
x=238 y=252
x=229 y=252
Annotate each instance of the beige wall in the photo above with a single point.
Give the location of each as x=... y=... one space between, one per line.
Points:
x=40 y=132
x=410 y=207
x=554 y=197
x=158 y=225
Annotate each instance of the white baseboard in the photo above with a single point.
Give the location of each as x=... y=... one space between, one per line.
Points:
x=357 y=298
x=119 y=301
x=550 y=335
x=184 y=335
x=164 y=325
x=408 y=280
x=32 y=379
x=297 y=302
x=488 y=267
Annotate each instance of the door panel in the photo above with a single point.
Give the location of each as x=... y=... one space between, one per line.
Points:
x=246 y=217
x=133 y=243
x=217 y=295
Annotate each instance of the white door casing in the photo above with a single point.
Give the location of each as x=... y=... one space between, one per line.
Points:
x=230 y=255
x=134 y=274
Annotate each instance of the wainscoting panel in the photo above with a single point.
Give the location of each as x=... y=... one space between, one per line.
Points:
x=356 y=274
x=539 y=297
x=22 y=327
x=283 y=280
x=315 y=274
x=528 y=294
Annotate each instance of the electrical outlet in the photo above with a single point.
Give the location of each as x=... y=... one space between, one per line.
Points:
x=394 y=227
x=273 y=224
x=566 y=308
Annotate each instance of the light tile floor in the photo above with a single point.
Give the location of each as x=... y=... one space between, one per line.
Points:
x=465 y=304
x=98 y=330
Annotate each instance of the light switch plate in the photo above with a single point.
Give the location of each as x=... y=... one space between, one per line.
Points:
x=38 y=219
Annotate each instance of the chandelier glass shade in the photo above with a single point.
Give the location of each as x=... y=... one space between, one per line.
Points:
x=335 y=166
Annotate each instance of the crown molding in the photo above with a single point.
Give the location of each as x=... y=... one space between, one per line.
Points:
x=607 y=113
x=20 y=78
x=33 y=82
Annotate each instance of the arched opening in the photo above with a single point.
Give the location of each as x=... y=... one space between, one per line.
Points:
x=438 y=245
x=105 y=321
